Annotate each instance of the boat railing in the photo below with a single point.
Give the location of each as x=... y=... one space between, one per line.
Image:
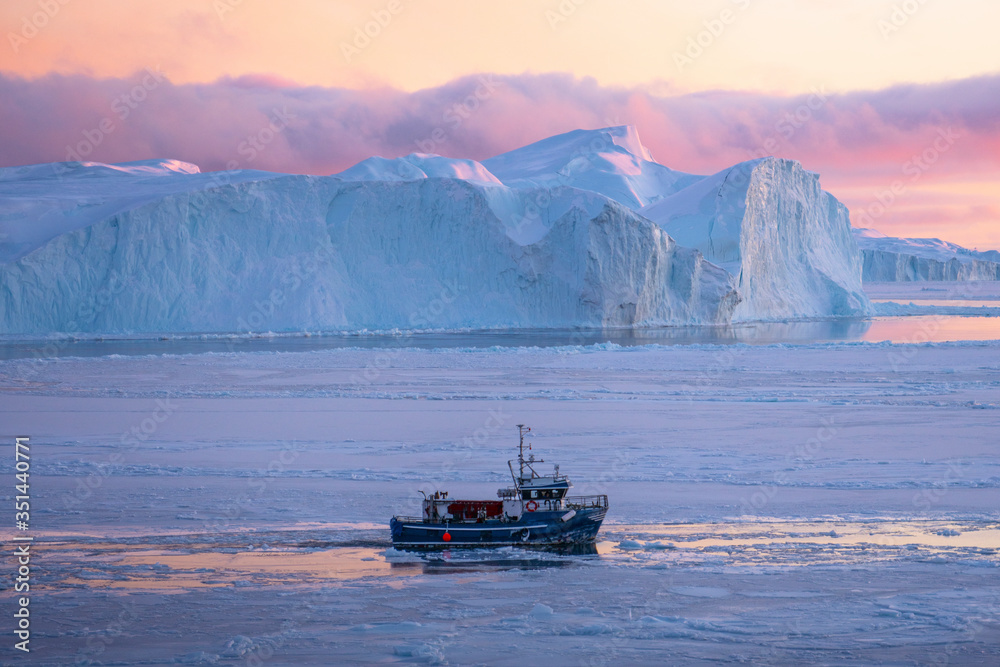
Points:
x=585 y=502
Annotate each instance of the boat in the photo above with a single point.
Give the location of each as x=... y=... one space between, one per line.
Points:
x=536 y=512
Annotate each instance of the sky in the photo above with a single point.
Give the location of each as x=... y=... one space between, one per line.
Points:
x=896 y=104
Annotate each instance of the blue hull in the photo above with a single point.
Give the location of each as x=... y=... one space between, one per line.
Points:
x=531 y=529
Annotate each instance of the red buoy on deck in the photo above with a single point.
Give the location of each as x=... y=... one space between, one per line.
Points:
x=446 y=537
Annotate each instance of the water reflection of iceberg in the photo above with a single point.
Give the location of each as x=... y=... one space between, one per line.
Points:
x=817 y=331
x=751 y=333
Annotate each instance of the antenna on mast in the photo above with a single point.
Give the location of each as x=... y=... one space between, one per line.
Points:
x=520 y=447
x=521 y=461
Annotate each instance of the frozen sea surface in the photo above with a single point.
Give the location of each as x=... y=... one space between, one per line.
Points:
x=772 y=592
x=771 y=504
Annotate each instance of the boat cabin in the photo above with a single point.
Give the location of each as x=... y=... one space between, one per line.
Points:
x=544 y=488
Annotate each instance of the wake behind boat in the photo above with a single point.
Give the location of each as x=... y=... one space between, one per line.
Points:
x=536 y=512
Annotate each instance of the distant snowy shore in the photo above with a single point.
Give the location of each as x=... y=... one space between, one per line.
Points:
x=887 y=259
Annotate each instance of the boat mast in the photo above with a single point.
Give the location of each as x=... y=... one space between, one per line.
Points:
x=520 y=447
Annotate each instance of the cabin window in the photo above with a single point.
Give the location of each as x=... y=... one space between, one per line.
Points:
x=543 y=494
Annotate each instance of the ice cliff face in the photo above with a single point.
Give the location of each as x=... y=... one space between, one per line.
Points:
x=305 y=253
x=888 y=259
x=39 y=202
x=787 y=242
x=554 y=234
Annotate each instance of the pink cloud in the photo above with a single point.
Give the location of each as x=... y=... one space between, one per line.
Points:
x=479 y=116
x=857 y=139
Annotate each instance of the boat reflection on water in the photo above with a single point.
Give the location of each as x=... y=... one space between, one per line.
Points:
x=451 y=561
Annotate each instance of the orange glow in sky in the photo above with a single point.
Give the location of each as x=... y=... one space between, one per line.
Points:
x=661 y=48
x=762 y=45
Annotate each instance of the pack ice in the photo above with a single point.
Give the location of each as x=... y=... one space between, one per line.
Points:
x=582 y=229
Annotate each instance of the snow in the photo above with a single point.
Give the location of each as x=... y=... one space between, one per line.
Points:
x=417 y=166
x=900 y=259
x=43 y=201
x=786 y=241
x=297 y=253
x=611 y=161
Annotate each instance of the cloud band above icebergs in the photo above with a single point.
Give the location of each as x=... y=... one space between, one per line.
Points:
x=880 y=151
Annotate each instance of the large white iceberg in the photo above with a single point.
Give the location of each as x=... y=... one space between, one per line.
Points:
x=41 y=201
x=787 y=242
x=304 y=253
x=582 y=229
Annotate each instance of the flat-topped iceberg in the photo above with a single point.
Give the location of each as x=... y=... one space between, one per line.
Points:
x=888 y=259
x=303 y=253
x=579 y=230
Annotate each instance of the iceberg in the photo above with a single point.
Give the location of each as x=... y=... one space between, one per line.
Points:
x=889 y=259
x=39 y=202
x=787 y=242
x=583 y=229
x=417 y=166
x=302 y=253
x=611 y=161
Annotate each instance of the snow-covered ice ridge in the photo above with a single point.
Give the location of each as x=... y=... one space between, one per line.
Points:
x=299 y=252
x=786 y=242
x=575 y=230
x=888 y=259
